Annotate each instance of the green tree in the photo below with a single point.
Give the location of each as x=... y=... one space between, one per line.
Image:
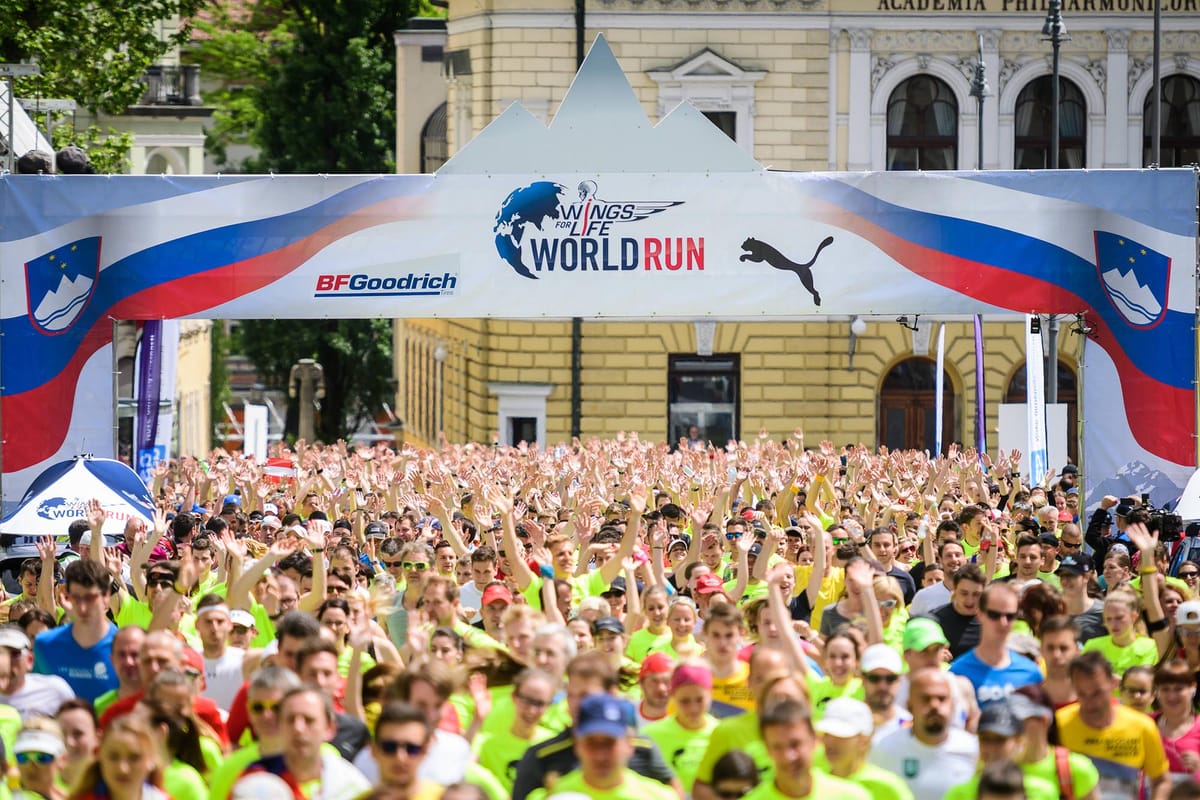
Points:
x=356 y=355
x=93 y=53
x=328 y=103
x=324 y=102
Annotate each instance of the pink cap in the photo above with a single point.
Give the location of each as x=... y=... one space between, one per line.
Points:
x=692 y=674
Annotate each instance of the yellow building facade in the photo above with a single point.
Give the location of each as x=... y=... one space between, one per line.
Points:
x=801 y=85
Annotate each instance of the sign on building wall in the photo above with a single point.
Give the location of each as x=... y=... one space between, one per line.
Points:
x=601 y=215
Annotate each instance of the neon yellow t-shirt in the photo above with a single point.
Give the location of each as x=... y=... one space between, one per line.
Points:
x=881 y=784
x=736 y=733
x=643 y=642
x=1141 y=651
x=832 y=586
x=1035 y=789
x=681 y=748
x=500 y=754
x=823 y=786
x=1084 y=775
x=183 y=782
x=633 y=787
x=823 y=689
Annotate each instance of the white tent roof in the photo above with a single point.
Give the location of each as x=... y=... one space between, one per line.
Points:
x=61 y=495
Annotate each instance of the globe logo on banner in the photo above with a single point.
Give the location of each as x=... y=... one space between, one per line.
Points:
x=60 y=283
x=1135 y=278
x=542 y=228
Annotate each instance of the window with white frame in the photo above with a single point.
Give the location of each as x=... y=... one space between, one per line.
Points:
x=521 y=411
x=717 y=87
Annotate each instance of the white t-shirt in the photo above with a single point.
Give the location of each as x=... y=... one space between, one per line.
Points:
x=445 y=763
x=41 y=696
x=928 y=771
x=223 y=677
x=471 y=596
x=929 y=598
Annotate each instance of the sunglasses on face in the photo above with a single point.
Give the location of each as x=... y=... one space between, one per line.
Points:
x=1065 y=545
x=731 y=794
x=732 y=536
x=1190 y=574
x=887 y=604
x=888 y=679
x=392 y=746
x=160 y=581
x=393 y=564
x=37 y=758
x=415 y=566
x=992 y=614
x=262 y=706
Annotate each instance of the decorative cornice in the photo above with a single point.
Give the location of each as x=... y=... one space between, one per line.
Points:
x=1118 y=40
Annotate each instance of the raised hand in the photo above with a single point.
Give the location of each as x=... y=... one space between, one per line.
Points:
x=95 y=515
x=47 y=549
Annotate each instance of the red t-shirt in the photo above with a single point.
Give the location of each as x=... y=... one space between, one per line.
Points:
x=203 y=707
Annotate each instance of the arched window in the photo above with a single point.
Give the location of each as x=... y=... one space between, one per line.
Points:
x=1178 y=120
x=1068 y=394
x=434 y=150
x=1033 y=125
x=907 y=412
x=922 y=125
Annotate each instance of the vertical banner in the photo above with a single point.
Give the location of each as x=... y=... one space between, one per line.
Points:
x=149 y=383
x=166 y=395
x=980 y=398
x=1035 y=400
x=939 y=399
x=254 y=430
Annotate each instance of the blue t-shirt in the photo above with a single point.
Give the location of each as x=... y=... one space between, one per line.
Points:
x=996 y=683
x=89 y=671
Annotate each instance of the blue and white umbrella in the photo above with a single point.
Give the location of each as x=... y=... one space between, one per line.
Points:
x=61 y=495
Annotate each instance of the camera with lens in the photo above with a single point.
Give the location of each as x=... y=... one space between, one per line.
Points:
x=1168 y=525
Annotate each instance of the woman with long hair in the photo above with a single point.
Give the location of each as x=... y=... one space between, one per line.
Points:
x=128 y=765
x=1178 y=724
x=533 y=693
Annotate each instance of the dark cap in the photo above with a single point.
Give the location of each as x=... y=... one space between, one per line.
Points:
x=377 y=530
x=602 y=714
x=1070 y=469
x=610 y=624
x=755 y=550
x=34 y=162
x=1023 y=708
x=997 y=719
x=1075 y=565
x=617 y=587
x=73 y=161
x=1048 y=539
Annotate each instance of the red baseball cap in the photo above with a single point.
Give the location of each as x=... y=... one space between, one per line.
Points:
x=496 y=592
x=656 y=663
x=707 y=584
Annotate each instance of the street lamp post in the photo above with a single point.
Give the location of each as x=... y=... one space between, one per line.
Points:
x=1056 y=33
x=979 y=90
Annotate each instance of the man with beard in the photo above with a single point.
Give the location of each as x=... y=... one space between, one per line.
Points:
x=931 y=756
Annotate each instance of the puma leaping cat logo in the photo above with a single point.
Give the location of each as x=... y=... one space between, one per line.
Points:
x=761 y=251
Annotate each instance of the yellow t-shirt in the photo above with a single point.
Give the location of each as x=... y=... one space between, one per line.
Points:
x=681 y=748
x=732 y=695
x=832 y=586
x=1123 y=752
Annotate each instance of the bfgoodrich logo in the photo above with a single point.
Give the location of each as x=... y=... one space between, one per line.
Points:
x=544 y=227
x=363 y=285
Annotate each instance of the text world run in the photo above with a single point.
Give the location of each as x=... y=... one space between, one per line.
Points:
x=1068 y=6
x=613 y=255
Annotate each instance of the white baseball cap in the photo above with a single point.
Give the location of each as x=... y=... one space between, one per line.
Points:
x=845 y=718
x=1188 y=613
x=14 y=637
x=270 y=508
x=34 y=740
x=240 y=616
x=881 y=656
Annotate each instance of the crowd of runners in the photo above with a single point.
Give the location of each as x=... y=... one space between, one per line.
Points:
x=615 y=619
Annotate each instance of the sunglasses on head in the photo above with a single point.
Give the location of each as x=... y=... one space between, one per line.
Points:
x=36 y=758
x=392 y=746
x=1000 y=615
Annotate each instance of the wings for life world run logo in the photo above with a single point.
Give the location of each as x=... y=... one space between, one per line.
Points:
x=545 y=227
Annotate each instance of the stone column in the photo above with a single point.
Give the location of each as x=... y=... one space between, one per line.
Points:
x=860 y=99
x=1116 y=123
